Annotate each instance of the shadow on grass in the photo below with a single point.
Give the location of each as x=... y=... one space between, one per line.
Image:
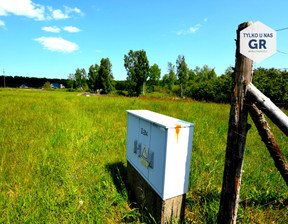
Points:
x=118 y=172
x=204 y=204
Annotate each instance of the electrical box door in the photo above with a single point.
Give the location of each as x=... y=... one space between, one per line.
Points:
x=159 y=148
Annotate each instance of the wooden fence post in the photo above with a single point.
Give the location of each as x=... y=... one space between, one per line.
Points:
x=236 y=139
x=269 y=140
x=268 y=107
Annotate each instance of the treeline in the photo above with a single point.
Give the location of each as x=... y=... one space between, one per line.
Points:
x=201 y=84
x=204 y=84
x=273 y=83
x=17 y=81
x=99 y=78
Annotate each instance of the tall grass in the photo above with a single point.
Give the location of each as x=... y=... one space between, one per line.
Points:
x=62 y=160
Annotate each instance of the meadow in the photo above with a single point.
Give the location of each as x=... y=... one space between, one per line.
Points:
x=62 y=160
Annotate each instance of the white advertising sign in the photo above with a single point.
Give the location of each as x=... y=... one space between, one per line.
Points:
x=258 y=42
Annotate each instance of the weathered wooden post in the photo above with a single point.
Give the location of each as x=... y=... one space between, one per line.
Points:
x=269 y=140
x=258 y=100
x=268 y=107
x=236 y=139
x=158 y=163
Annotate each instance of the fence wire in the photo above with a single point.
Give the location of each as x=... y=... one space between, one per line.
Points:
x=263 y=191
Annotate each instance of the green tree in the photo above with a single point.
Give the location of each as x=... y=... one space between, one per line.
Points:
x=272 y=83
x=202 y=91
x=202 y=84
x=137 y=66
x=105 y=76
x=223 y=86
x=154 y=75
x=47 y=85
x=93 y=77
x=71 y=80
x=165 y=81
x=80 y=78
x=170 y=78
x=182 y=72
x=191 y=75
x=205 y=73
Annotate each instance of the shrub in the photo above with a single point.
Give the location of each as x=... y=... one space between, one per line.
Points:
x=47 y=86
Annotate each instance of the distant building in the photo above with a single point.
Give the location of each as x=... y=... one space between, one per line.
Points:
x=62 y=86
x=24 y=86
x=55 y=85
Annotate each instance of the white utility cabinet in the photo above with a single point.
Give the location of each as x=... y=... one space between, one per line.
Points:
x=159 y=148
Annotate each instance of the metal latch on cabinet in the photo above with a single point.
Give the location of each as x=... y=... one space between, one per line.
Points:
x=146 y=157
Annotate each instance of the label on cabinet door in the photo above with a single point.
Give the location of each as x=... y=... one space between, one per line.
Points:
x=144 y=157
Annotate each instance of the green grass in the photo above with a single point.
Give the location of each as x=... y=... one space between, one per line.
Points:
x=62 y=160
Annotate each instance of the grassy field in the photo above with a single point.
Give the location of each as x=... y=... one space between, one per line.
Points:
x=62 y=160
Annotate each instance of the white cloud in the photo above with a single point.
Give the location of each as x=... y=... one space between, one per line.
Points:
x=58 y=14
x=52 y=29
x=2 y=23
x=35 y=11
x=2 y=10
x=66 y=14
x=192 y=29
x=22 y=8
x=55 y=29
x=57 y=44
x=69 y=10
x=71 y=29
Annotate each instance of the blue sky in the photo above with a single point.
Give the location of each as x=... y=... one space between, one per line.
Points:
x=51 y=38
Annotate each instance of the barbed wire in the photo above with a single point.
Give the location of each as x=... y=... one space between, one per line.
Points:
x=259 y=203
x=286 y=28
x=282 y=52
x=262 y=197
x=277 y=199
x=256 y=69
x=257 y=166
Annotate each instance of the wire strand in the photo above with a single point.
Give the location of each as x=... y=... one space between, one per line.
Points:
x=286 y=28
x=282 y=52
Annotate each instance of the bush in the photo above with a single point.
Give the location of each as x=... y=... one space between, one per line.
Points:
x=47 y=86
x=122 y=93
x=71 y=90
x=176 y=90
x=202 y=91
